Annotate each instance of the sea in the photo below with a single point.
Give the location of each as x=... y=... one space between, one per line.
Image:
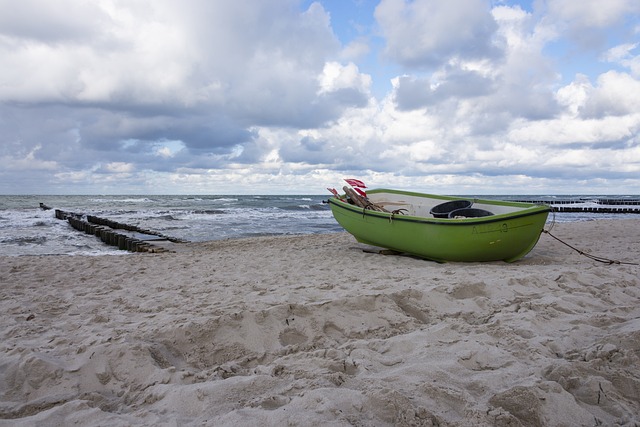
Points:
x=26 y=229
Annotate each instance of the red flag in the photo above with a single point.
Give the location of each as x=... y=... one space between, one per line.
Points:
x=355 y=183
x=360 y=192
x=334 y=192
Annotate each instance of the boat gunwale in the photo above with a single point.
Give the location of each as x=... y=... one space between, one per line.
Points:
x=528 y=210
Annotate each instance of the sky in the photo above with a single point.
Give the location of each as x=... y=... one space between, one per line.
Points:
x=471 y=97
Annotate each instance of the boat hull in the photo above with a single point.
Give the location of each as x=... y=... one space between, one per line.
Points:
x=505 y=236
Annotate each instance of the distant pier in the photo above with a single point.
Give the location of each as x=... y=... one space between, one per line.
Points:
x=125 y=236
x=590 y=205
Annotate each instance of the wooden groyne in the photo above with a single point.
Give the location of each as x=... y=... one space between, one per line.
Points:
x=587 y=205
x=597 y=209
x=125 y=236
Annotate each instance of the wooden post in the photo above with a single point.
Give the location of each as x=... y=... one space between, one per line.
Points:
x=362 y=202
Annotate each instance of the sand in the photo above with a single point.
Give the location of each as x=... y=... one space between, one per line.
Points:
x=312 y=330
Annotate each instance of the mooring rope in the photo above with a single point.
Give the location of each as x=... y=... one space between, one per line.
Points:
x=593 y=257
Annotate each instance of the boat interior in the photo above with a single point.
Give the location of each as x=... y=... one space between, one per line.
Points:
x=422 y=206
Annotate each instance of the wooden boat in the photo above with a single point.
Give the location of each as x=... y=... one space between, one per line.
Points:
x=441 y=228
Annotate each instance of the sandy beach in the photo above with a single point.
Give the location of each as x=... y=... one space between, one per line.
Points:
x=314 y=331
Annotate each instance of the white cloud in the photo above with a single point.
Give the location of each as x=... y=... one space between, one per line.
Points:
x=149 y=52
x=566 y=131
x=355 y=50
x=427 y=33
x=336 y=77
x=29 y=161
x=48 y=22
x=619 y=53
x=624 y=55
x=125 y=57
x=168 y=149
x=205 y=94
x=616 y=94
x=591 y=13
x=589 y=24
x=119 y=167
x=574 y=96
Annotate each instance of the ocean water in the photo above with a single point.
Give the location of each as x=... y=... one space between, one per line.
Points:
x=25 y=229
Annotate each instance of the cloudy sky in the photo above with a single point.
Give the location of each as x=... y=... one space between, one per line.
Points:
x=291 y=96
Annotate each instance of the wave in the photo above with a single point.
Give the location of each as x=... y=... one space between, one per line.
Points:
x=318 y=207
x=25 y=240
x=209 y=212
x=123 y=200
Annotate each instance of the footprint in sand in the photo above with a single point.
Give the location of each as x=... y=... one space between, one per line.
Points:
x=292 y=336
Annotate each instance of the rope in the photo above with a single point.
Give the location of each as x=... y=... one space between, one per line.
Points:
x=593 y=257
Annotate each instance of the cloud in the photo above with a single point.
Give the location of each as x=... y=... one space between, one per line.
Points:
x=412 y=93
x=591 y=13
x=424 y=34
x=115 y=79
x=47 y=22
x=616 y=94
x=355 y=50
x=517 y=82
x=587 y=23
x=202 y=95
x=627 y=55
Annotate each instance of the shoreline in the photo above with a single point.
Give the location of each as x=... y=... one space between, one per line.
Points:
x=310 y=329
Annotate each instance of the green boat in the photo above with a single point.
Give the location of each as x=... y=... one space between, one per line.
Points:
x=441 y=228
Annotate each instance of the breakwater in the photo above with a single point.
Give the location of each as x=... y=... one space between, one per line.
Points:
x=596 y=205
x=125 y=236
